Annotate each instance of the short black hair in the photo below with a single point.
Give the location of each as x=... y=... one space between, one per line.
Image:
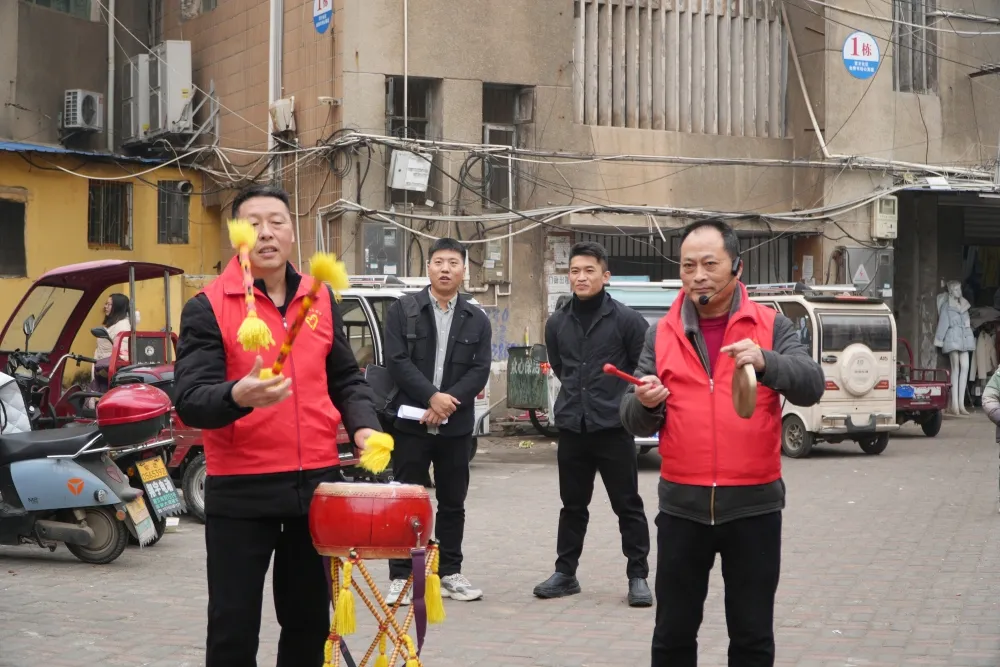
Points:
x=259 y=190
x=590 y=249
x=730 y=240
x=446 y=243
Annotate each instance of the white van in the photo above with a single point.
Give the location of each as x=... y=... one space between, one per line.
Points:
x=852 y=336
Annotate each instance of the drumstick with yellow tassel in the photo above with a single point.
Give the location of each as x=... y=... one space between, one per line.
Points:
x=324 y=268
x=253 y=333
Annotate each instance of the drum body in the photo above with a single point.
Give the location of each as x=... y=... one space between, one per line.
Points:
x=377 y=521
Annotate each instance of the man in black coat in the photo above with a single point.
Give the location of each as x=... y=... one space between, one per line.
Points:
x=591 y=330
x=448 y=366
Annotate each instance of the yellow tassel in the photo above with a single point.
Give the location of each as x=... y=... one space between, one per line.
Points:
x=328 y=653
x=254 y=333
x=344 y=619
x=432 y=594
x=325 y=267
x=242 y=233
x=382 y=660
x=412 y=660
x=377 y=452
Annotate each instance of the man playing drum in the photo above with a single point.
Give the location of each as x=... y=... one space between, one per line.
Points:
x=268 y=443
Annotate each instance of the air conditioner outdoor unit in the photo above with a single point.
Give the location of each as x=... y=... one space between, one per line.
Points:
x=83 y=110
x=171 y=94
x=135 y=98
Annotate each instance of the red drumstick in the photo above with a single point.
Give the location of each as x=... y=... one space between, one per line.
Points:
x=611 y=370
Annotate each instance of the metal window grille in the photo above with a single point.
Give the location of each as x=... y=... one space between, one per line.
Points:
x=417 y=119
x=13 y=253
x=503 y=111
x=173 y=207
x=109 y=219
x=915 y=66
x=699 y=66
x=79 y=8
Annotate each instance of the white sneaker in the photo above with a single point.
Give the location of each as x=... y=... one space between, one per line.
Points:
x=457 y=587
x=395 y=588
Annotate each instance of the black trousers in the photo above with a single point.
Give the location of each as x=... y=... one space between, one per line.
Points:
x=411 y=461
x=239 y=553
x=580 y=458
x=751 y=562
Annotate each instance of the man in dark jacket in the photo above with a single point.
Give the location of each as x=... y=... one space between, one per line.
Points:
x=720 y=489
x=268 y=443
x=447 y=368
x=590 y=330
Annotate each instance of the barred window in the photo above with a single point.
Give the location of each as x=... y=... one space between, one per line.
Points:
x=109 y=219
x=173 y=207
x=915 y=65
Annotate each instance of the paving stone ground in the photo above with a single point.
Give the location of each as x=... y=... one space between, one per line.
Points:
x=888 y=561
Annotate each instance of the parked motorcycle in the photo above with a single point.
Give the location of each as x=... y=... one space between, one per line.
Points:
x=62 y=485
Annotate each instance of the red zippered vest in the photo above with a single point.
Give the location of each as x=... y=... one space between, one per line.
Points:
x=300 y=433
x=703 y=441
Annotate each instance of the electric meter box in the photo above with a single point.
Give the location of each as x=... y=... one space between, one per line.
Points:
x=494 y=270
x=885 y=216
x=409 y=171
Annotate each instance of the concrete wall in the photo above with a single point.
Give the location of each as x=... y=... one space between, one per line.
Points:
x=44 y=52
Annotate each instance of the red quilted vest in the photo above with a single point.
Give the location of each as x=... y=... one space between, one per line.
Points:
x=703 y=441
x=299 y=433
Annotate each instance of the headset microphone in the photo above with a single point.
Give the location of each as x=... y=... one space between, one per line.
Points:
x=705 y=298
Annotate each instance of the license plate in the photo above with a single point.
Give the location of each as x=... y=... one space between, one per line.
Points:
x=904 y=391
x=160 y=490
x=144 y=529
x=150 y=469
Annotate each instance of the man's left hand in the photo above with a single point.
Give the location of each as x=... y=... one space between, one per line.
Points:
x=361 y=435
x=746 y=352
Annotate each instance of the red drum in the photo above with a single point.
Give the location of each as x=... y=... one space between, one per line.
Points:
x=377 y=521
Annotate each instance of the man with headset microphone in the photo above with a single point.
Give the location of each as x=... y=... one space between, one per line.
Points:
x=720 y=488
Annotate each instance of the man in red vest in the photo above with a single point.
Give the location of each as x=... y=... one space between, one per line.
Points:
x=268 y=443
x=720 y=489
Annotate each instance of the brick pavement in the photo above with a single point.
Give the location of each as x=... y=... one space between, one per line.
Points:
x=890 y=560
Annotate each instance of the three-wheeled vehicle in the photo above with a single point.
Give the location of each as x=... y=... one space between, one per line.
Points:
x=57 y=305
x=921 y=393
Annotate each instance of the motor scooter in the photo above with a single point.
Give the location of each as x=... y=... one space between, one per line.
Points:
x=62 y=485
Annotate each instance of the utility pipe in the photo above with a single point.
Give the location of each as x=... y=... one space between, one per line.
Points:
x=109 y=131
x=406 y=68
x=802 y=84
x=274 y=72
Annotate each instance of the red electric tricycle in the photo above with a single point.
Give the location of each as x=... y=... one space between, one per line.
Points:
x=921 y=393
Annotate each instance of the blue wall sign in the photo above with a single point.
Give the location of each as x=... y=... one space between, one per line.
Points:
x=860 y=55
x=322 y=14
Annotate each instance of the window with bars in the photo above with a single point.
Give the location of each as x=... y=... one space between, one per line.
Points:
x=915 y=62
x=13 y=252
x=699 y=66
x=414 y=123
x=173 y=207
x=78 y=8
x=505 y=108
x=109 y=218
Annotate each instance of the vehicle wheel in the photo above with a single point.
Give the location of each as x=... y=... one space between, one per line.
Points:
x=547 y=430
x=875 y=446
x=161 y=527
x=110 y=538
x=193 y=486
x=473 y=448
x=796 y=441
x=932 y=425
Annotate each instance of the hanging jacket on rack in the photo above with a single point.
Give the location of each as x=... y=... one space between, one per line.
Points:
x=984 y=357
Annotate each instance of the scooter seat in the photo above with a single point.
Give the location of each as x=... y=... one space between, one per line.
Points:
x=40 y=444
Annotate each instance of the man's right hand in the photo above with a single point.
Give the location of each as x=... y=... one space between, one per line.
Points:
x=652 y=393
x=444 y=404
x=252 y=392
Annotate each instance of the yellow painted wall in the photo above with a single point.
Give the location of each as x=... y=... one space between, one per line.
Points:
x=56 y=234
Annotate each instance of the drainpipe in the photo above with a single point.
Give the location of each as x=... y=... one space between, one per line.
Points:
x=802 y=85
x=274 y=71
x=109 y=131
x=406 y=69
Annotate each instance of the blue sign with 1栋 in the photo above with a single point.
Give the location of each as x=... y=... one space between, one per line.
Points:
x=322 y=13
x=861 y=55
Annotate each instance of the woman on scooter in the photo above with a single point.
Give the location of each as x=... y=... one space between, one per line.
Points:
x=115 y=322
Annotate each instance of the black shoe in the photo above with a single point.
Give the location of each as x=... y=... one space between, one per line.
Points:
x=638 y=593
x=557 y=586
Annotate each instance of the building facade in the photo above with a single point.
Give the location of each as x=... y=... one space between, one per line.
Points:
x=803 y=120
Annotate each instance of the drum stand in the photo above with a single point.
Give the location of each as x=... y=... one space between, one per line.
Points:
x=425 y=569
